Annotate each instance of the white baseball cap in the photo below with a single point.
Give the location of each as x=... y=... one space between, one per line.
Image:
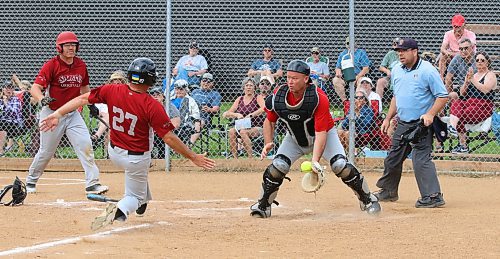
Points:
x=367 y=79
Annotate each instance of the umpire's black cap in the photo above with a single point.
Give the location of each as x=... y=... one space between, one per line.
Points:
x=299 y=66
x=406 y=43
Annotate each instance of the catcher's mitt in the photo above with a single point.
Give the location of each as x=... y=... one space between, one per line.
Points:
x=312 y=181
x=414 y=135
x=18 y=193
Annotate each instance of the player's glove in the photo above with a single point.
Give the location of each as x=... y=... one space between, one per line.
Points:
x=18 y=193
x=414 y=135
x=46 y=100
x=94 y=111
x=312 y=181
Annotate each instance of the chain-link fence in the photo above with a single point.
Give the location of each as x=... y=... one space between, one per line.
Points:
x=232 y=40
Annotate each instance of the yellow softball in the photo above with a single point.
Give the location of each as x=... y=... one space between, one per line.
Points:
x=306 y=167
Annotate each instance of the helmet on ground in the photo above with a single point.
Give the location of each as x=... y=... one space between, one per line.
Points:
x=66 y=37
x=142 y=71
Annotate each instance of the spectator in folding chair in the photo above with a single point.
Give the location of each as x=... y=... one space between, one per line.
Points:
x=477 y=102
x=247 y=110
x=208 y=101
x=361 y=68
x=364 y=117
x=320 y=73
x=266 y=66
x=459 y=66
x=189 y=112
x=173 y=114
x=192 y=66
x=391 y=58
x=366 y=84
x=11 y=120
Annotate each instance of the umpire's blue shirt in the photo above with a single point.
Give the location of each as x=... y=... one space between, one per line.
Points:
x=416 y=89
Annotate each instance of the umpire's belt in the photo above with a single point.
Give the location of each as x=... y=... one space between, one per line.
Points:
x=130 y=153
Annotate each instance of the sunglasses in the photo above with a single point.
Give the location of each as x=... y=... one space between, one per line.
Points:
x=463 y=48
x=268 y=50
x=207 y=80
x=456 y=27
x=359 y=97
x=315 y=53
x=480 y=60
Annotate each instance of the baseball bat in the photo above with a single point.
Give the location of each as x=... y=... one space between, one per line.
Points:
x=103 y=122
x=99 y=197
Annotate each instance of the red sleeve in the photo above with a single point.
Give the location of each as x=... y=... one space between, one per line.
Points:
x=272 y=116
x=98 y=95
x=44 y=75
x=158 y=119
x=322 y=118
x=86 y=80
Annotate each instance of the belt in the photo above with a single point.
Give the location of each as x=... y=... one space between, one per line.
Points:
x=130 y=153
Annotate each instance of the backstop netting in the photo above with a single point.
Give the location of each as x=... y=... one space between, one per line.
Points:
x=233 y=37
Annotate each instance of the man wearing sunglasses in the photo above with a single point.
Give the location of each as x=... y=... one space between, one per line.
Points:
x=449 y=47
x=192 y=66
x=320 y=73
x=266 y=66
x=208 y=101
x=459 y=65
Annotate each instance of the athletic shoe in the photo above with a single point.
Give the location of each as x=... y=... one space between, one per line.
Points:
x=386 y=195
x=259 y=212
x=141 y=210
x=460 y=149
x=97 y=189
x=31 y=188
x=432 y=201
x=452 y=131
x=106 y=218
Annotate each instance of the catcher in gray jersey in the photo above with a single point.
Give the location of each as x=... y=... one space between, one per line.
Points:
x=305 y=111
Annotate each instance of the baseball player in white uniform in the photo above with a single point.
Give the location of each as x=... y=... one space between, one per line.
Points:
x=133 y=114
x=64 y=77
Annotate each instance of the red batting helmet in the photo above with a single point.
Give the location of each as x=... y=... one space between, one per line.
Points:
x=66 y=37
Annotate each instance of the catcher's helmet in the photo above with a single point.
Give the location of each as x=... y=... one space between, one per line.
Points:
x=299 y=66
x=142 y=71
x=66 y=37
x=18 y=189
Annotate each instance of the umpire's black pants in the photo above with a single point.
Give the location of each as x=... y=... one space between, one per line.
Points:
x=423 y=167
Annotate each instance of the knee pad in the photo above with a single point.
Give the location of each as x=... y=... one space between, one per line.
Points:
x=340 y=166
x=280 y=166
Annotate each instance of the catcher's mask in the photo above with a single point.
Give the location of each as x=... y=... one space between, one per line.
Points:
x=18 y=193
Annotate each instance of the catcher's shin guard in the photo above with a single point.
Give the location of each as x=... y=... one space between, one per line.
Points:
x=271 y=181
x=353 y=178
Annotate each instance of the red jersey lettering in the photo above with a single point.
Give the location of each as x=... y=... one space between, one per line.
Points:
x=64 y=81
x=132 y=116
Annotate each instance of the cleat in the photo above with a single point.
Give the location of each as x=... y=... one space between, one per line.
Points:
x=96 y=189
x=106 y=218
x=432 y=201
x=384 y=195
x=257 y=212
x=31 y=188
x=140 y=211
x=373 y=207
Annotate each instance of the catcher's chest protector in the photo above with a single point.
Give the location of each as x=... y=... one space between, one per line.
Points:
x=298 y=118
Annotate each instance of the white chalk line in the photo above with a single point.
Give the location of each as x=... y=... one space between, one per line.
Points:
x=51 y=179
x=29 y=249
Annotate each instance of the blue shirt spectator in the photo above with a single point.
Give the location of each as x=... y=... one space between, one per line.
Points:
x=208 y=100
x=360 y=60
x=416 y=89
x=363 y=122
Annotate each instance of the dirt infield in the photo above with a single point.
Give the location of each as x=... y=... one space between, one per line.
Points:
x=200 y=215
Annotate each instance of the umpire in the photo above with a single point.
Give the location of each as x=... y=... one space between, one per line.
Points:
x=419 y=94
